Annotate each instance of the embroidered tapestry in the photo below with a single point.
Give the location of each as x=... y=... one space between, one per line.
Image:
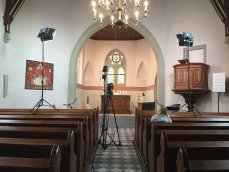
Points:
x=33 y=77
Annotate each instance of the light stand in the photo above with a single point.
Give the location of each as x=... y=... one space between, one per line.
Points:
x=45 y=34
x=186 y=39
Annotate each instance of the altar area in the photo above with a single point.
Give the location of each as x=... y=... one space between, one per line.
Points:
x=121 y=104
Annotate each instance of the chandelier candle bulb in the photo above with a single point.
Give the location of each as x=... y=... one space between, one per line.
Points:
x=112 y=20
x=145 y=14
x=146 y=5
x=101 y=18
x=136 y=15
x=95 y=11
x=126 y=17
x=93 y=3
x=107 y=4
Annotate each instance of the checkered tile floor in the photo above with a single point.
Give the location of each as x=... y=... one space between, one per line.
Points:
x=123 y=159
x=114 y=160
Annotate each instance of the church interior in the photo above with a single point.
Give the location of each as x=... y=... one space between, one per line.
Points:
x=91 y=75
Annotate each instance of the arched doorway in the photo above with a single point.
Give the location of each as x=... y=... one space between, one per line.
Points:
x=96 y=27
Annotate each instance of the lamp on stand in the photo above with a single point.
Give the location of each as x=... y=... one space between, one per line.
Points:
x=45 y=34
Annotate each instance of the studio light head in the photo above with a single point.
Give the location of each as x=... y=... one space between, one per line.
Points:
x=46 y=34
x=185 y=39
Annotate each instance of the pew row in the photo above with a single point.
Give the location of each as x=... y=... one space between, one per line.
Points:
x=145 y=132
x=64 y=115
x=91 y=114
x=76 y=126
x=202 y=145
x=87 y=125
x=157 y=129
x=20 y=164
x=70 y=158
x=184 y=163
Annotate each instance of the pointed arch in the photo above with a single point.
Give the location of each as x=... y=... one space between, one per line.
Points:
x=142 y=72
x=88 y=70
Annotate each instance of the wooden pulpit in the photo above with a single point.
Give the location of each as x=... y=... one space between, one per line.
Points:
x=190 y=81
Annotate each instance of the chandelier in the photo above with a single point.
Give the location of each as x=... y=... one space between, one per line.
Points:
x=119 y=12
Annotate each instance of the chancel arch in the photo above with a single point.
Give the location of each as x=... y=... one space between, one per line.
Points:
x=142 y=30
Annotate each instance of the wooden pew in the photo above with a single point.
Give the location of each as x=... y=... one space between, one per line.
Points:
x=76 y=126
x=140 y=128
x=90 y=132
x=68 y=135
x=146 y=134
x=185 y=164
x=48 y=164
x=156 y=130
x=90 y=114
x=88 y=125
x=37 y=148
x=203 y=146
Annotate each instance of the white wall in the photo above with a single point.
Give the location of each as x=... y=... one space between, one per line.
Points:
x=199 y=18
x=24 y=45
x=71 y=18
x=2 y=51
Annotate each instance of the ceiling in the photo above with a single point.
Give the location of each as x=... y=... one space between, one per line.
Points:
x=108 y=33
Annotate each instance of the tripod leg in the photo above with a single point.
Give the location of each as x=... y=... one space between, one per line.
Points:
x=112 y=141
x=38 y=103
x=179 y=108
x=53 y=106
x=96 y=148
x=197 y=111
x=115 y=122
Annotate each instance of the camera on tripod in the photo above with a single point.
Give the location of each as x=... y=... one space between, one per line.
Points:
x=110 y=87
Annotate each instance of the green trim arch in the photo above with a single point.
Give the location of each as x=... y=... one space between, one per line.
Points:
x=96 y=27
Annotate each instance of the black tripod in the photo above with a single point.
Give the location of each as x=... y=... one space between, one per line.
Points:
x=45 y=35
x=105 y=119
x=107 y=101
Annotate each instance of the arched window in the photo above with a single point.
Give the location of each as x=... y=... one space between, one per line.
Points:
x=116 y=63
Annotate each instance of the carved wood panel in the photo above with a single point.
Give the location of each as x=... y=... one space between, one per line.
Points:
x=121 y=103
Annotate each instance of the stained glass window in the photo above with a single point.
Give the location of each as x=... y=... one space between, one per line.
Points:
x=116 y=63
x=111 y=76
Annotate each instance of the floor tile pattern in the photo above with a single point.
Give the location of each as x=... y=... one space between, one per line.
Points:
x=123 y=158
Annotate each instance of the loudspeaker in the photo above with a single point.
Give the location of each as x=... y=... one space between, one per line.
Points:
x=5 y=85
